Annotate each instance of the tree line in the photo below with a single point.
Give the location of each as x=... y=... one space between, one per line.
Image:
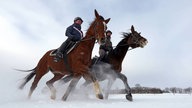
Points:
x=138 y=89
x=174 y=90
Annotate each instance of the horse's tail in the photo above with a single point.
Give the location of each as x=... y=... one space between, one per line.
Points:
x=28 y=77
x=25 y=70
x=40 y=69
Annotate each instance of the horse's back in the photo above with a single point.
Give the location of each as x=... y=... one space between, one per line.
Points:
x=45 y=57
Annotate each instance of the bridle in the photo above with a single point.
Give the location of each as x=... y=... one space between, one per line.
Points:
x=95 y=32
x=134 y=39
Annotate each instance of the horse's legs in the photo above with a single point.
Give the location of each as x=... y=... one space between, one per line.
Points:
x=109 y=84
x=91 y=78
x=50 y=84
x=96 y=87
x=127 y=88
x=34 y=84
x=97 y=90
x=67 y=78
x=71 y=87
x=84 y=87
x=85 y=84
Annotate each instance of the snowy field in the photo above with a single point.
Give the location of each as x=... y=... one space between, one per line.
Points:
x=12 y=97
x=115 y=101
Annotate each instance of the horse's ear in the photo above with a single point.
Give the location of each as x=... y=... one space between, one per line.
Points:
x=107 y=20
x=96 y=14
x=132 y=29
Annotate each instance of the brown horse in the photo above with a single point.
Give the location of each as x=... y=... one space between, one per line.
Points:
x=110 y=67
x=79 y=59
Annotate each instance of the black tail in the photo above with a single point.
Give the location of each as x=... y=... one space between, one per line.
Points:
x=25 y=70
x=28 y=77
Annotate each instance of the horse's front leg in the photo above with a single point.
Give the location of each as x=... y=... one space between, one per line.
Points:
x=97 y=90
x=127 y=88
x=71 y=87
x=96 y=86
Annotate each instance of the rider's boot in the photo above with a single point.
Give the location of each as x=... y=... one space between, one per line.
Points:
x=62 y=50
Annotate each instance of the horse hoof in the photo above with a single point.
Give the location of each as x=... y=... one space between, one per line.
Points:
x=129 y=97
x=29 y=95
x=100 y=96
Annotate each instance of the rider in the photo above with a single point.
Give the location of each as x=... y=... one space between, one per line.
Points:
x=74 y=34
x=107 y=47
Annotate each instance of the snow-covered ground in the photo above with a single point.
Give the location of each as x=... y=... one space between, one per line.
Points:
x=12 y=97
x=115 y=101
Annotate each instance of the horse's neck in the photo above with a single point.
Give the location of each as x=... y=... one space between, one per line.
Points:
x=90 y=36
x=88 y=41
x=120 y=51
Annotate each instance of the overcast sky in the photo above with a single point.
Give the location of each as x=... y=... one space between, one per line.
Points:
x=28 y=28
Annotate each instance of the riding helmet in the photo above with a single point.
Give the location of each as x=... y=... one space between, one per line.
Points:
x=78 y=18
x=108 y=31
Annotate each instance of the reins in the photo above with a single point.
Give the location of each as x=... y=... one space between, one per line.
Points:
x=92 y=37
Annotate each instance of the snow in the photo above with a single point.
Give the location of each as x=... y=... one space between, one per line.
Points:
x=12 y=97
x=140 y=100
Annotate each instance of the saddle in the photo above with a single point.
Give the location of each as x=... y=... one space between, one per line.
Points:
x=99 y=60
x=69 y=49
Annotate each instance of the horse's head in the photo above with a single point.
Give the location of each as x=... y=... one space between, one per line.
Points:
x=134 y=39
x=100 y=27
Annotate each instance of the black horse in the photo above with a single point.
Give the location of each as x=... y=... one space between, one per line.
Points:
x=111 y=65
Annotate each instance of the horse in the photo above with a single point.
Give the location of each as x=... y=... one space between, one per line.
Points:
x=79 y=60
x=111 y=66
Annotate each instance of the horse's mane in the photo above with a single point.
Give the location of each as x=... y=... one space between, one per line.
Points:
x=122 y=42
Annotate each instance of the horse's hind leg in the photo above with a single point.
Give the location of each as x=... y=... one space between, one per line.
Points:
x=34 y=85
x=50 y=84
x=110 y=83
x=39 y=73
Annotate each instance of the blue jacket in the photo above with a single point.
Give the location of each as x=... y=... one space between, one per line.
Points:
x=74 y=32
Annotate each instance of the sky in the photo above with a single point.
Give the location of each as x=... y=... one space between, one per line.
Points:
x=30 y=28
